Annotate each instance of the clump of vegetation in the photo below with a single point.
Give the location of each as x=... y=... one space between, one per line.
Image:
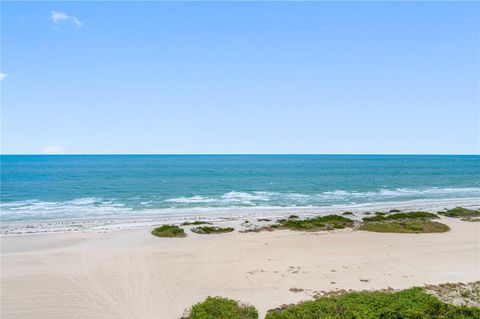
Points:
x=410 y=222
x=221 y=308
x=293 y=217
x=264 y=220
x=197 y=222
x=379 y=216
x=405 y=226
x=407 y=304
x=212 y=230
x=470 y=219
x=246 y=223
x=347 y=213
x=329 y=222
x=394 y=211
x=169 y=231
x=457 y=293
x=460 y=212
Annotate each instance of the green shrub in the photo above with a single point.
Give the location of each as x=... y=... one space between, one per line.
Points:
x=405 y=226
x=410 y=215
x=168 y=231
x=319 y=223
x=407 y=304
x=347 y=213
x=212 y=230
x=460 y=212
x=316 y=223
x=221 y=308
x=394 y=211
x=376 y=218
x=399 y=216
x=197 y=222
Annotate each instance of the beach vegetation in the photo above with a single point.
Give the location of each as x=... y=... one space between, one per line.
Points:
x=460 y=212
x=347 y=213
x=169 y=231
x=221 y=308
x=293 y=217
x=197 y=222
x=400 y=216
x=412 y=303
x=394 y=211
x=319 y=223
x=316 y=223
x=211 y=230
x=405 y=226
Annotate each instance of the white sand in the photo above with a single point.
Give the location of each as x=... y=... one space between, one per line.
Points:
x=131 y=274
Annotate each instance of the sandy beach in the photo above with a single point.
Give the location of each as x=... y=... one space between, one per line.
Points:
x=132 y=274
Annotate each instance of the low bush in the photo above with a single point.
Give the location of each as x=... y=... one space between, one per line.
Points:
x=169 y=231
x=394 y=211
x=459 y=212
x=407 y=304
x=197 y=222
x=212 y=230
x=329 y=222
x=316 y=223
x=405 y=226
x=221 y=308
x=399 y=216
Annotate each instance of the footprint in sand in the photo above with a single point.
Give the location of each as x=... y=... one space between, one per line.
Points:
x=294 y=269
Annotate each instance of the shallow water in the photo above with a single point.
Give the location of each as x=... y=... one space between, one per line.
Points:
x=42 y=188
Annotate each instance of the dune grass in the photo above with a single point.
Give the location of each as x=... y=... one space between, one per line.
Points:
x=409 y=222
x=328 y=222
x=221 y=308
x=379 y=216
x=319 y=223
x=197 y=222
x=460 y=212
x=169 y=231
x=212 y=230
x=412 y=303
x=405 y=226
x=394 y=211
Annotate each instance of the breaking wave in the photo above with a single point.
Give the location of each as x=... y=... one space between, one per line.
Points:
x=93 y=207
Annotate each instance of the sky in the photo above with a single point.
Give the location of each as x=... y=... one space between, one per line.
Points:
x=240 y=77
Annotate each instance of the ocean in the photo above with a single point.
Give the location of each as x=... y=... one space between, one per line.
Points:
x=42 y=188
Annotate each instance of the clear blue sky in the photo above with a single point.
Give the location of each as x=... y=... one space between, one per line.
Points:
x=152 y=77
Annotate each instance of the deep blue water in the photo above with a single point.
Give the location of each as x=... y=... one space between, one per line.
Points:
x=42 y=187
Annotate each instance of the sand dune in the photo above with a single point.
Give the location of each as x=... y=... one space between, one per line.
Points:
x=131 y=274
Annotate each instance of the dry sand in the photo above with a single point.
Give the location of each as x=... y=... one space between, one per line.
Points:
x=131 y=274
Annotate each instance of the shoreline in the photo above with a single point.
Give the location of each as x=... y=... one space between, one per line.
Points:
x=220 y=215
x=131 y=274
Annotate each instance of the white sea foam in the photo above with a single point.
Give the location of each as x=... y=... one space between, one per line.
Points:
x=329 y=197
x=188 y=200
x=95 y=207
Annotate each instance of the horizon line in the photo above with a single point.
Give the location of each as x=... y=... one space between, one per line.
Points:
x=235 y=154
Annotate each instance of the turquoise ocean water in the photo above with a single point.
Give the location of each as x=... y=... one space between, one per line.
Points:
x=42 y=188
